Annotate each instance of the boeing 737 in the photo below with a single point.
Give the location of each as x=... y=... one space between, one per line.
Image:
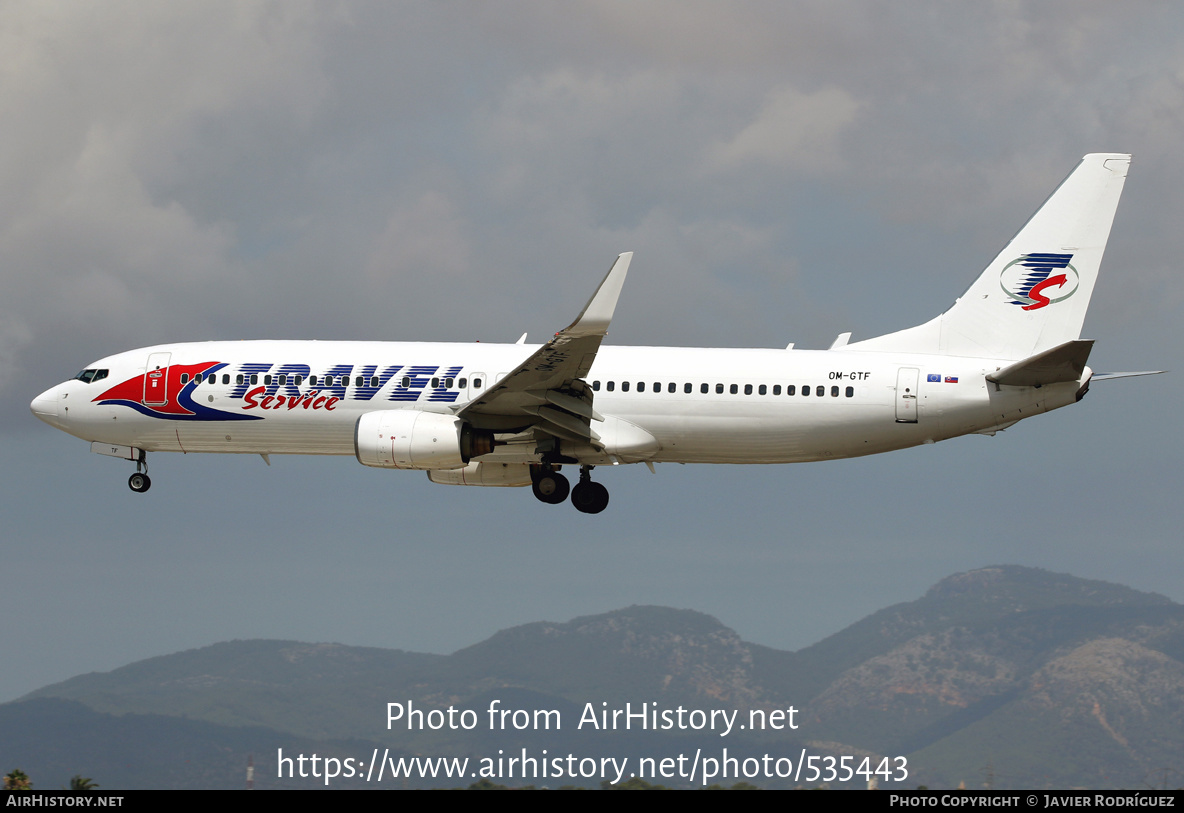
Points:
x=514 y=414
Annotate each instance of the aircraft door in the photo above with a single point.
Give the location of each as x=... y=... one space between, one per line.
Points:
x=156 y=380
x=907 y=381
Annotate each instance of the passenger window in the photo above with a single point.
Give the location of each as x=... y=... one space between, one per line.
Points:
x=596 y=386
x=612 y=385
x=238 y=379
x=735 y=388
x=640 y=386
x=462 y=383
x=791 y=389
x=685 y=388
x=834 y=392
x=806 y=390
x=763 y=390
x=184 y=378
x=820 y=390
x=407 y=382
x=719 y=389
x=283 y=379
x=658 y=386
x=748 y=389
x=312 y=381
x=267 y=380
x=850 y=392
x=298 y=379
x=448 y=383
x=776 y=389
x=435 y=383
x=225 y=378
x=703 y=388
x=476 y=383
x=624 y=386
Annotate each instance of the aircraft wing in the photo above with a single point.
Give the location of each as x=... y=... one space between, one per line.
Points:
x=547 y=390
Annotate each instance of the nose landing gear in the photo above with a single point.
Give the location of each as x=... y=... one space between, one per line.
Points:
x=140 y=482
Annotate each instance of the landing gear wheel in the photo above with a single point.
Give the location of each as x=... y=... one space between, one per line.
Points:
x=551 y=487
x=589 y=497
x=139 y=483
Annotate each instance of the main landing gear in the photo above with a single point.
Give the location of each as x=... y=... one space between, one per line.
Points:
x=587 y=496
x=551 y=487
x=140 y=482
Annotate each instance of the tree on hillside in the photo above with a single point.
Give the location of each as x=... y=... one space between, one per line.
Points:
x=17 y=780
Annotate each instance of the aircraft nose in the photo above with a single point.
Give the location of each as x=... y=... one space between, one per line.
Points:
x=45 y=405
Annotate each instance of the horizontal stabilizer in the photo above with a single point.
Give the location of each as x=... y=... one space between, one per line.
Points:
x=1065 y=362
x=1108 y=376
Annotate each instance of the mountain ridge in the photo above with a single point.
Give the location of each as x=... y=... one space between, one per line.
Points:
x=971 y=662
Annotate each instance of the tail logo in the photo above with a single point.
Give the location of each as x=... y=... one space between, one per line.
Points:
x=1032 y=282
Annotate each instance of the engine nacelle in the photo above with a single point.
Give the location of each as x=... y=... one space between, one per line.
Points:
x=484 y=474
x=410 y=439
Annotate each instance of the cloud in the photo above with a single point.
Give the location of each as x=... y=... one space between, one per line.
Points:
x=426 y=238
x=792 y=130
x=111 y=112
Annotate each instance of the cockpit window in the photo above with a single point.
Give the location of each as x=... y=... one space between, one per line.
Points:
x=90 y=376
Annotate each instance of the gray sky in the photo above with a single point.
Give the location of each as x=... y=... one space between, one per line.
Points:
x=460 y=171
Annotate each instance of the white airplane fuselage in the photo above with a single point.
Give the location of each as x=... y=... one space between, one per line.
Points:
x=844 y=403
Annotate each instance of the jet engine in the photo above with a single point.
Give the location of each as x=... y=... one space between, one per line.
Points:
x=410 y=439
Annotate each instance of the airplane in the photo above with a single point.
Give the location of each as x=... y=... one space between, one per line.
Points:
x=484 y=414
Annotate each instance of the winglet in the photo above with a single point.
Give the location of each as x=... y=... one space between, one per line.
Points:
x=596 y=315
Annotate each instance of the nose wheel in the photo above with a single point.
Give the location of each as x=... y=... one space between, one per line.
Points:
x=140 y=482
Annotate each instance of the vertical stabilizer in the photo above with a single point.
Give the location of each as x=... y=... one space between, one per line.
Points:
x=1034 y=295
